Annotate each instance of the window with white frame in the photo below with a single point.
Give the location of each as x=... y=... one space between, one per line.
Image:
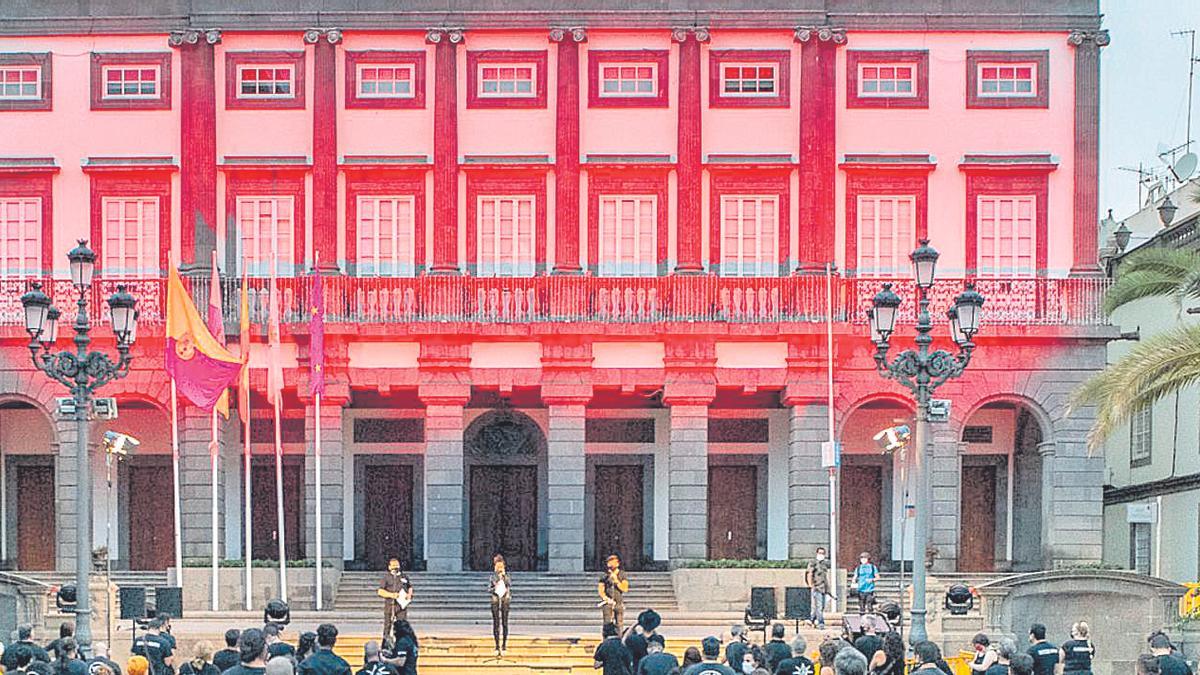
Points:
x=885 y=80
x=20 y=237
x=1139 y=547
x=20 y=83
x=749 y=79
x=1141 y=435
x=628 y=227
x=1006 y=242
x=629 y=79
x=266 y=81
x=266 y=231
x=507 y=80
x=131 y=81
x=130 y=230
x=1007 y=79
x=749 y=235
x=886 y=233
x=385 y=235
x=506 y=237
x=379 y=80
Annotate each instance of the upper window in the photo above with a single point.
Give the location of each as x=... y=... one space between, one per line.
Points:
x=24 y=81
x=1007 y=246
x=130 y=229
x=749 y=235
x=628 y=240
x=1017 y=79
x=886 y=234
x=385 y=79
x=887 y=79
x=506 y=236
x=123 y=81
x=748 y=78
x=385 y=235
x=264 y=80
x=506 y=79
x=20 y=237
x=627 y=78
x=1141 y=436
x=266 y=230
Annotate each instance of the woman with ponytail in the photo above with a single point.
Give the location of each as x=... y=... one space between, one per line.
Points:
x=1077 y=653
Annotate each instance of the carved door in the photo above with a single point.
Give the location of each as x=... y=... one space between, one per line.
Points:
x=504 y=516
x=35 y=518
x=860 y=503
x=732 y=512
x=618 y=515
x=151 y=517
x=388 y=516
x=264 y=509
x=977 y=536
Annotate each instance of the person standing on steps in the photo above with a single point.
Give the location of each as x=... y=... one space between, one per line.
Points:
x=397 y=592
x=817 y=578
x=865 y=577
x=500 y=590
x=612 y=589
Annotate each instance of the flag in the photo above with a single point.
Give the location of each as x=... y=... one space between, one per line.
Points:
x=200 y=366
x=216 y=326
x=274 y=364
x=316 y=337
x=244 y=343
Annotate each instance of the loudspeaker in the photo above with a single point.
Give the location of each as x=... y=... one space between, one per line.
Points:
x=762 y=602
x=133 y=602
x=169 y=600
x=797 y=603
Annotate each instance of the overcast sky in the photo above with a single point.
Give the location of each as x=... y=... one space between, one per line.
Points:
x=1143 y=94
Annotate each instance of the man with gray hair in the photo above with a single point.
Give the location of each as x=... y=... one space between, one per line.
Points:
x=1005 y=651
x=373 y=664
x=798 y=663
x=735 y=651
x=850 y=662
x=100 y=658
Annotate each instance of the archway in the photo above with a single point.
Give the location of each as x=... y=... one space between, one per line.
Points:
x=504 y=455
x=139 y=507
x=1000 y=521
x=27 y=486
x=873 y=484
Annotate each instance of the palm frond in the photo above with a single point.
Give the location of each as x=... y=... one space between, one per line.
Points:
x=1168 y=261
x=1139 y=284
x=1158 y=367
x=1154 y=271
x=1189 y=287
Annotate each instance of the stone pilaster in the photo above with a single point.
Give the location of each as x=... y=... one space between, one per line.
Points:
x=332 y=474
x=1086 y=156
x=566 y=471
x=818 y=125
x=65 y=481
x=808 y=482
x=945 y=474
x=195 y=483
x=1049 y=510
x=688 y=468
x=444 y=389
x=689 y=167
x=198 y=145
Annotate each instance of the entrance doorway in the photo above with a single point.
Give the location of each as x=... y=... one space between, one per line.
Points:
x=618 y=514
x=861 y=505
x=504 y=515
x=977 y=537
x=732 y=512
x=35 y=517
x=263 y=508
x=388 y=515
x=151 y=526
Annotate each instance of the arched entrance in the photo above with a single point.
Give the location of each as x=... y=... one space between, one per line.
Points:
x=504 y=454
x=873 y=486
x=1000 y=523
x=143 y=522
x=27 y=486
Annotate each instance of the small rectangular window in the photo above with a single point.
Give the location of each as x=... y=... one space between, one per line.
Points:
x=507 y=80
x=377 y=80
x=629 y=79
x=132 y=81
x=887 y=80
x=20 y=83
x=750 y=79
x=1141 y=436
x=618 y=430
x=1007 y=79
x=749 y=236
x=20 y=237
x=1139 y=547
x=266 y=81
x=130 y=230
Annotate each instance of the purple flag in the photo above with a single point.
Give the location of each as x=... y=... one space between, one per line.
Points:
x=316 y=337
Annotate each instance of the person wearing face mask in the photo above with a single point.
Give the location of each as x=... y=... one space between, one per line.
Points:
x=817 y=578
x=865 y=576
x=754 y=662
x=397 y=592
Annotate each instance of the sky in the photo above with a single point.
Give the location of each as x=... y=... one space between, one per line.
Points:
x=1143 y=91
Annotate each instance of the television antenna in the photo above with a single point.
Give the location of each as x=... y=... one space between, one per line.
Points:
x=1189 y=33
x=1144 y=178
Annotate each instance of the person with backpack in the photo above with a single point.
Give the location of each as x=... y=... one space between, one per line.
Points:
x=865 y=577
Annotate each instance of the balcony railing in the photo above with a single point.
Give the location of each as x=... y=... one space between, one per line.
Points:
x=564 y=299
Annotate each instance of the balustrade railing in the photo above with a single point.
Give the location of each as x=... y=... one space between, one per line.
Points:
x=561 y=299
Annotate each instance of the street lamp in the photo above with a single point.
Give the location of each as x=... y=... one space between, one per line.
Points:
x=922 y=371
x=82 y=372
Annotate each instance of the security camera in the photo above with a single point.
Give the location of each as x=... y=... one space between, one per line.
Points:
x=121 y=445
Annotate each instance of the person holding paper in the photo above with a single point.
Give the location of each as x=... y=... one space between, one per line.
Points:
x=500 y=589
x=397 y=592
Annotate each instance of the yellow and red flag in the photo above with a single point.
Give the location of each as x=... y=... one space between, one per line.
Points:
x=200 y=366
x=216 y=326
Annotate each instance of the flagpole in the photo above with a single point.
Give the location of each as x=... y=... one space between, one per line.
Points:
x=213 y=452
x=244 y=401
x=317 y=453
x=279 y=503
x=175 y=477
x=248 y=557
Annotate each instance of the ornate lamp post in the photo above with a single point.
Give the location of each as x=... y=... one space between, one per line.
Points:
x=922 y=371
x=82 y=372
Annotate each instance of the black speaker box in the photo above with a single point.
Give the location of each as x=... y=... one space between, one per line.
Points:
x=762 y=602
x=133 y=602
x=169 y=600
x=798 y=602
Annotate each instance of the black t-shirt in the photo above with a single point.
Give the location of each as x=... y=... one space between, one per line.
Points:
x=1078 y=656
x=324 y=662
x=636 y=644
x=776 y=651
x=156 y=649
x=611 y=589
x=615 y=657
x=710 y=669
x=734 y=653
x=1172 y=664
x=281 y=649
x=661 y=663
x=226 y=659
x=1045 y=658
x=868 y=645
x=796 y=665
x=406 y=648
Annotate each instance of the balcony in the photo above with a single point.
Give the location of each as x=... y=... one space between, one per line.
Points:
x=573 y=299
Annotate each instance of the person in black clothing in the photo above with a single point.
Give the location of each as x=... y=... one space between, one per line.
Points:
x=657 y=661
x=1076 y=654
x=157 y=649
x=500 y=596
x=100 y=657
x=66 y=629
x=1021 y=664
x=637 y=642
x=985 y=653
x=324 y=661
x=612 y=587
x=1147 y=664
x=739 y=642
x=1004 y=654
x=612 y=655
x=164 y=622
x=405 y=649
x=67 y=661
x=711 y=649
x=373 y=663
x=275 y=644
x=798 y=663
x=306 y=645
x=1169 y=663
x=1044 y=654
x=868 y=643
x=228 y=657
x=24 y=639
x=201 y=663
x=889 y=660
x=776 y=650
x=252 y=654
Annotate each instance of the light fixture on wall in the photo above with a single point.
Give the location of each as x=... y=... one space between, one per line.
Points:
x=893 y=439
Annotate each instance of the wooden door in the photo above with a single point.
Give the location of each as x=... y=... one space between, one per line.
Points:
x=263 y=509
x=504 y=516
x=977 y=534
x=618 y=515
x=732 y=512
x=860 y=520
x=388 y=515
x=151 y=523
x=35 y=518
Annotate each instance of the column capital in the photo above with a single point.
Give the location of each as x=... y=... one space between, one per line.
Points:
x=454 y=36
x=681 y=34
x=191 y=36
x=331 y=35
x=576 y=34
x=1046 y=449
x=1099 y=38
x=830 y=34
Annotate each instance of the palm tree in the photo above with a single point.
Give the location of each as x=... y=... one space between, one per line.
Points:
x=1158 y=366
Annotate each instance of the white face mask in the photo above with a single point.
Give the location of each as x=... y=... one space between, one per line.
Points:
x=862 y=560
x=747 y=667
x=820 y=556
